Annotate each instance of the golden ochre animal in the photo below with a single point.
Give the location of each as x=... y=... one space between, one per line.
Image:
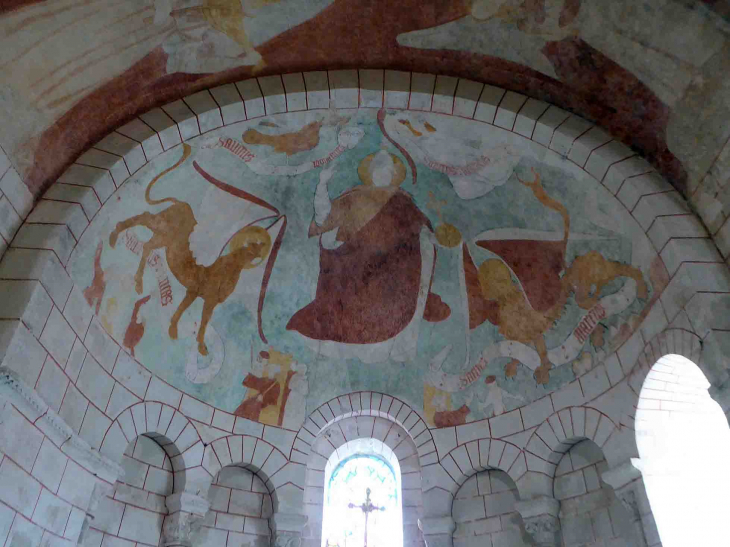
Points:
x=585 y=277
x=171 y=229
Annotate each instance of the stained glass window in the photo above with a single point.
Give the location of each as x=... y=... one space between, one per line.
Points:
x=346 y=494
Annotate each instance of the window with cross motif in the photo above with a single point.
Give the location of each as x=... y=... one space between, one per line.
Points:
x=362 y=502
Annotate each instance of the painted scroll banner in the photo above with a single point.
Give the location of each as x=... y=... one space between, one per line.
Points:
x=347 y=139
x=565 y=353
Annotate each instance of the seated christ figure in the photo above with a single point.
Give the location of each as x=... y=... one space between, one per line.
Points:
x=376 y=260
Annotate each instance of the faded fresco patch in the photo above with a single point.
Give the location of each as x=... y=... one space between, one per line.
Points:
x=215 y=35
x=631 y=33
x=270 y=265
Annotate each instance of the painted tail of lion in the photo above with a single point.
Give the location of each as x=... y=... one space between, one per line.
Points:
x=186 y=154
x=543 y=197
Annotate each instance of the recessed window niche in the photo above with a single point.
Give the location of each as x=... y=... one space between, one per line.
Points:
x=363 y=496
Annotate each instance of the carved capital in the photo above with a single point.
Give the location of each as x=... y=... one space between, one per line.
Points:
x=540 y=517
x=288 y=539
x=179 y=528
x=624 y=479
x=544 y=529
x=627 y=497
x=287 y=528
x=187 y=512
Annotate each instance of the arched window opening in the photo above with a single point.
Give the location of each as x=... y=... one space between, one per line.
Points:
x=684 y=443
x=362 y=497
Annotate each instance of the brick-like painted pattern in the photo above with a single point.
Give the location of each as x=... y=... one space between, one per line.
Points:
x=134 y=511
x=335 y=442
x=484 y=512
x=240 y=506
x=50 y=336
x=590 y=513
x=710 y=196
x=44 y=493
x=16 y=202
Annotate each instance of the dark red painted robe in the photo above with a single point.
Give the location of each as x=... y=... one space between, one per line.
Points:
x=367 y=291
x=537 y=265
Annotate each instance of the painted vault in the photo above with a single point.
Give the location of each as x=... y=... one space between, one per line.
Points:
x=270 y=265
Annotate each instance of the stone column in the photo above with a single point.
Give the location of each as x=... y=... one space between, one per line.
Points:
x=287 y=529
x=628 y=484
x=437 y=531
x=185 y=515
x=540 y=517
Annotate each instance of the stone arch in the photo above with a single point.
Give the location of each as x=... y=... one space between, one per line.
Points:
x=473 y=457
x=587 y=503
x=353 y=425
x=283 y=478
x=177 y=436
x=554 y=437
x=240 y=456
x=671 y=341
x=128 y=148
x=443 y=479
x=240 y=502
x=485 y=511
x=256 y=455
x=682 y=442
x=363 y=403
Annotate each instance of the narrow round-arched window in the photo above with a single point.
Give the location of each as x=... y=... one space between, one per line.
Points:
x=362 y=500
x=684 y=444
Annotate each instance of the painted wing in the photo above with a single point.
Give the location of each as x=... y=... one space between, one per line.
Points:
x=251 y=210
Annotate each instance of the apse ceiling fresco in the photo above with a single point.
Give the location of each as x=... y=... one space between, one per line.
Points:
x=652 y=72
x=272 y=264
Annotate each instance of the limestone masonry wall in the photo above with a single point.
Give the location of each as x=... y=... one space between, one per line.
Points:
x=240 y=506
x=590 y=513
x=485 y=514
x=133 y=511
x=48 y=481
x=74 y=405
